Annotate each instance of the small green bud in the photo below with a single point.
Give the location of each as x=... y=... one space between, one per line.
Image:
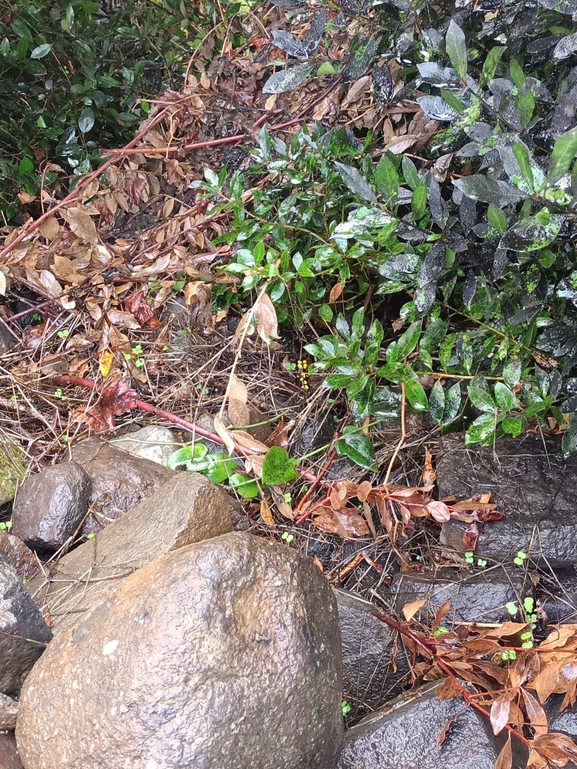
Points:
x=512 y=608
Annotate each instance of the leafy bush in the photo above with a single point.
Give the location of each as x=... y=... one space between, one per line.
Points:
x=480 y=267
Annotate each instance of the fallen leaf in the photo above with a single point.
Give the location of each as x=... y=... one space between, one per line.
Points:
x=105 y=363
x=81 y=224
x=505 y=759
x=410 y=609
x=335 y=292
x=429 y=474
x=266 y=513
x=224 y=434
x=116 y=398
x=265 y=313
x=439 y=511
x=142 y=311
x=499 y=714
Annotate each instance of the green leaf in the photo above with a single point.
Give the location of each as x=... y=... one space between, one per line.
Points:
x=408 y=340
x=456 y=48
x=450 y=98
x=516 y=70
x=289 y=79
x=512 y=371
x=356 y=446
x=278 y=467
x=491 y=63
x=326 y=312
x=437 y=402
x=410 y=173
x=564 y=150
x=479 y=187
x=86 y=120
x=525 y=106
x=512 y=426
x=504 y=397
x=497 y=218
x=337 y=381
x=481 y=430
x=416 y=395
x=245 y=487
x=569 y=440
x=452 y=403
x=521 y=153
x=419 y=202
x=181 y=457
x=481 y=399
x=396 y=372
x=41 y=51
x=356 y=182
x=387 y=180
x=220 y=467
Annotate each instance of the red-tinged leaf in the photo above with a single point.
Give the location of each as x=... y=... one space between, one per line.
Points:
x=486 y=516
x=556 y=748
x=547 y=681
x=505 y=759
x=443 y=735
x=535 y=713
x=440 y=615
x=137 y=305
x=116 y=398
x=410 y=609
x=470 y=505
x=499 y=714
x=429 y=474
x=471 y=537
x=525 y=668
x=439 y=511
x=346 y=523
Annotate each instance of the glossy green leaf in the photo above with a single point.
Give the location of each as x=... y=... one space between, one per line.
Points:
x=356 y=446
x=387 y=180
x=512 y=372
x=521 y=153
x=564 y=151
x=491 y=63
x=41 y=51
x=505 y=397
x=512 y=426
x=419 y=202
x=456 y=48
x=437 y=402
x=278 y=467
x=453 y=398
x=416 y=395
x=481 y=430
x=525 y=106
x=356 y=182
x=245 y=487
x=497 y=218
x=569 y=440
x=481 y=399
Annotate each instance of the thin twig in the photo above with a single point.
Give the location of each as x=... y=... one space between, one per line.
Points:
x=401 y=439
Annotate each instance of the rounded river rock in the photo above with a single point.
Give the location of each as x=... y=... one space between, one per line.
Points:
x=224 y=653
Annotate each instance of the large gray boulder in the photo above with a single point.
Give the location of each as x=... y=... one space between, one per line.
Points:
x=23 y=632
x=153 y=442
x=18 y=555
x=530 y=482
x=405 y=735
x=189 y=509
x=225 y=653
x=50 y=505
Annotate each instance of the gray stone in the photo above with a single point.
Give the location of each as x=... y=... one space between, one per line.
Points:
x=119 y=481
x=532 y=485
x=405 y=735
x=475 y=597
x=558 y=596
x=152 y=442
x=8 y=752
x=12 y=470
x=225 y=653
x=20 y=557
x=372 y=665
x=23 y=632
x=190 y=509
x=8 y=712
x=50 y=506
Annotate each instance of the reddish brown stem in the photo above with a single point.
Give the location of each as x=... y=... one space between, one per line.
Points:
x=316 y=481
x=311 y=510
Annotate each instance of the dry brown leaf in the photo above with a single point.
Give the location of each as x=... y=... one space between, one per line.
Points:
x=440 y=615
x=499 y=714
x=346 y=523
x=505 y=759
x=246 y=441
x=50 y=229
x=266 y=513
x=267 y=326
x=448 y=689
x=429 y=474
x=282 y=505
x=410 y=609
x=65 y=269
x=557 y=748
x=535 y=713
x=439 y=511
x=116 y=398
x=335 y=292
x=224 y=434
x=81 y=223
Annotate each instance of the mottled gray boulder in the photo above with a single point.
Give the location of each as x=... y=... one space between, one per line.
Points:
x=405 y=735
x=474 y=597
x=23 y=632
x=189 y=509
x=50 y=505
x=119 y=480
x=8 y=752
x=8 y=712
x=225 y=653
x=372 y=665
x=530 y=482
x=18 y=555
x=152 y=442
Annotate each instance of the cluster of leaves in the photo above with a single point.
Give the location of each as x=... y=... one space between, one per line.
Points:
x=472 y=246
x=505 y=678
x=74 y=79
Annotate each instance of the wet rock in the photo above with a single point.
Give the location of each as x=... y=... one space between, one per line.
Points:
x=189 y=509
x=153 y=442
x=23 y=632
x=476 y=597
x=558 y=596
x=119 y=481
x=225 y=653
x=12 y=470
x=50 y=505
x=531 y=484
x=368 y=654
x=8 y=752
x=8 y=712
x=20 y=557
x=406 y=734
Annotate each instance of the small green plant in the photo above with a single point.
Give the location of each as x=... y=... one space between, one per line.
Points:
x=63 y=333
x=345 y=708
x=520 y=558
x=469 y=557
x=59 y=394
x=441 y=630
x=510 y=655
x=288 y=538
x=5 y=525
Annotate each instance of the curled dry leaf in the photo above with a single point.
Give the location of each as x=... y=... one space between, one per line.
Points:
x=448 y=689
x=346 y=523
x=224 y=434
x=142 y=311
x=499 y=714
x=429 y=474
x=266 y=513
x=439 y=511
x=556 y=748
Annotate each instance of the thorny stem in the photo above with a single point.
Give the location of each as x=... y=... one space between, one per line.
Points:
x=429 y=650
